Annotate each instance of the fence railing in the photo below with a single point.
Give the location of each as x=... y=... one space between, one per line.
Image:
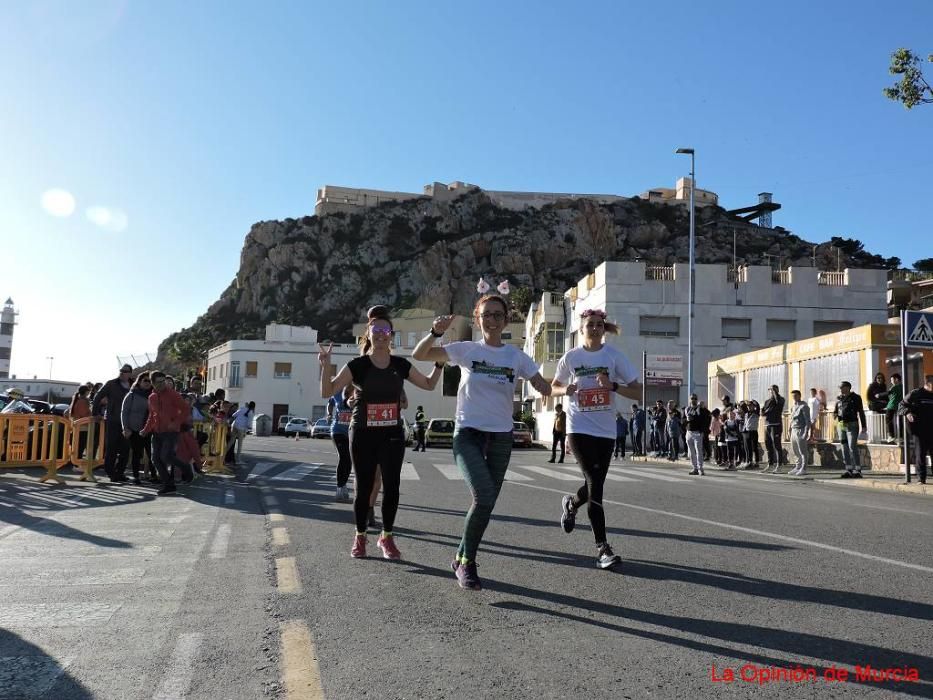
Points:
x=737 y=275
x=831 y=279
x=659 y=273
x=780 y=276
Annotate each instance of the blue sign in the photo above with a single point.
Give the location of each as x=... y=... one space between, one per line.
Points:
x=918 y=329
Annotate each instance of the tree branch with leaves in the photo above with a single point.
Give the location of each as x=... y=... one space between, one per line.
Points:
x=912 y=89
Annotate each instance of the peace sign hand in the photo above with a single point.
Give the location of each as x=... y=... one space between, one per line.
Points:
x=324 y=355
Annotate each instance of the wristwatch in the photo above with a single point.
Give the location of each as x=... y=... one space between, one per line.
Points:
x=436 y=335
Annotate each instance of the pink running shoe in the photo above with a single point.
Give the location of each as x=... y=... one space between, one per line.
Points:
x=359 y=547
x=387 y=545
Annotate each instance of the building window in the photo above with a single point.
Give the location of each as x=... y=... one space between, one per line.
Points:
x=412 y=339
x=6 y=329
x=736 y=328
x=234 y=374
x=283 y=370
x=781 y=329
x=4 y=353
x=221 y=370
x=252 y=368
x=759 y=381
x=549 y=344
x=663 y=326
x=827 y=327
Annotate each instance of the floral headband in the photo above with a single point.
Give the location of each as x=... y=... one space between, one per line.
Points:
x=483 y=286
x=593 y=312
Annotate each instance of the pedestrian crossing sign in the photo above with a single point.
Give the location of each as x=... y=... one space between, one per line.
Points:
x=918 y=329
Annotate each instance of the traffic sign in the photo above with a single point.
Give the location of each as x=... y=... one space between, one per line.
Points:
x=918 y=329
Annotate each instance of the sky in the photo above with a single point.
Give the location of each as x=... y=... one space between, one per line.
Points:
x=139 y=141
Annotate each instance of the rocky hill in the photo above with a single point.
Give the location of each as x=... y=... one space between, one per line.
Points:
x=324 y=271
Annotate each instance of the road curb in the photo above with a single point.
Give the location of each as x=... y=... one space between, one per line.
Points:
x=894 y=487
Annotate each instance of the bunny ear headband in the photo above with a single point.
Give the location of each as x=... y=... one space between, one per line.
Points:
x=483 y=286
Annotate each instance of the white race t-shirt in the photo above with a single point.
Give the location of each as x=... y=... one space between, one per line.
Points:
x=591 y=410
x=487 y=383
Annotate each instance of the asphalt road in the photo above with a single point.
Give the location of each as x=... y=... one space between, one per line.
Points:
x=245 y=588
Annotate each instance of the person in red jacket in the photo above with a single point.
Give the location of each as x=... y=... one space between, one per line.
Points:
x=167 y=411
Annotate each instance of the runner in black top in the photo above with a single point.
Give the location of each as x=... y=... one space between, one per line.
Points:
x=376 y=434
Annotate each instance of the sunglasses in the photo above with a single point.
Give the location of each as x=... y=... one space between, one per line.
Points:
x=385 y=332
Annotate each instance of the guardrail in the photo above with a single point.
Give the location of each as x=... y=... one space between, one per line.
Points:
x=215 y=448
x=659 y=273
x=780 y=276
x=35 y=440
x=831 y=279
x=87 y=445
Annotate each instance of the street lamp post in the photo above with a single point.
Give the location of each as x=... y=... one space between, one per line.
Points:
x=693 y=186
x=48 y=396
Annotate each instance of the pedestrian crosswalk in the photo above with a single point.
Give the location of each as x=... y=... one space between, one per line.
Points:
x=282 y=471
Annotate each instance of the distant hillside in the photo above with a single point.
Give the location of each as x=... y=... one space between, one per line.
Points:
x=323 y=271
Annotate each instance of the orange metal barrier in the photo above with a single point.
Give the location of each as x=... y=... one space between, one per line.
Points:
x=88 y=433
x=215 y=448
x=35 y=440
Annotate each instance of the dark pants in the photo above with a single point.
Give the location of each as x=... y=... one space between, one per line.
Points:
x=751 y=446
x=116 y=450
x=558 y=439
x=620 y=445
x=138 y=445
x=773 y=443
x=419 y=436
x=344 y=463
x=638 y=443
x=923 y=447
x=707 y=448
x=890 y=417
x=164 y=458
x=593 y=455
x=372 y=448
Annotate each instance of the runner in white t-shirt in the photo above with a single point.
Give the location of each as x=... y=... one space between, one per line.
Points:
x=589 y=375
x=483 y=432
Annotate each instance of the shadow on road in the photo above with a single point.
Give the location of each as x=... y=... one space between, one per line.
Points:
x=28 y=672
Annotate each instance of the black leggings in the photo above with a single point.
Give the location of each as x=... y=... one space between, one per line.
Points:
x=372 y=448
x=593 y=455
x=750 y=438
x=342 y=443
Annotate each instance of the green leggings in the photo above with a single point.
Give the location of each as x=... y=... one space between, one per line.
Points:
x=483 y=459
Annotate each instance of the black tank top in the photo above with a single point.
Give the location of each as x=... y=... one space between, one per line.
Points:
x=380 y=392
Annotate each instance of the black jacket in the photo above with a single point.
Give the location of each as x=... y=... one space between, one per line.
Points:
x=848 y=409
x=697 y=419
x=773 y=410
x=114 y=392
x=919 y=404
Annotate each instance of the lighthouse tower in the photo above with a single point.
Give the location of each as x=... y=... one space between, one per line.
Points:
x=7 y=321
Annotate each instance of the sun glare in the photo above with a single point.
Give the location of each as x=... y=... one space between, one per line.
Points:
x=58 y=202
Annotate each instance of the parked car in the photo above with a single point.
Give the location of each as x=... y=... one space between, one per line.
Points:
x=283 y=421
x=440 y=433
x=321 y=428
x=40 y=406
x=521 y=435
x=409 y=429
x=298 y=426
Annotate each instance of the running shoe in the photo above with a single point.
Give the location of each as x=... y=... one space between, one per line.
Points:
x=359 y=547
x=606 y=558
x=568 y=518
x=846 y=474
x=857 y=475
x=387 y=544
x=693 y=473
x=467 y=576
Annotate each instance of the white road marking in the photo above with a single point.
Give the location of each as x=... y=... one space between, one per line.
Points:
x=409 y=473
x=760 y=533
x=513 y=475
x=229 y=497
x=180 y=669
x=221 y=540
x=660 y=477
x=286 y=575
x=261 y=468
x=280 y=537
x=296 y=473
x=450 y=471
x=553 y=473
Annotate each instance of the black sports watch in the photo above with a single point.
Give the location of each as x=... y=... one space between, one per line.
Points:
x=436 y=335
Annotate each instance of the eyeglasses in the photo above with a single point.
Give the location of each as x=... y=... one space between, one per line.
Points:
x=493 y=316
x=385 y=332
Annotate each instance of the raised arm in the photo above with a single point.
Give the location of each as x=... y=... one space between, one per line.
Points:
x=332 y=385
x=425 y=350
x=427 y=383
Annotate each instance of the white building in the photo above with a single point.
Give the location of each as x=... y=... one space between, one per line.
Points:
x=7 y=321
x=42 y=388
x=282 y=375
x=736 y=311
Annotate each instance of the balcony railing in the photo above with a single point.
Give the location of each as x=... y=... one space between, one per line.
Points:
x=737 y=275
x=780 y=276
x=831 y=279
x=557 y=299
x=659 y=273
